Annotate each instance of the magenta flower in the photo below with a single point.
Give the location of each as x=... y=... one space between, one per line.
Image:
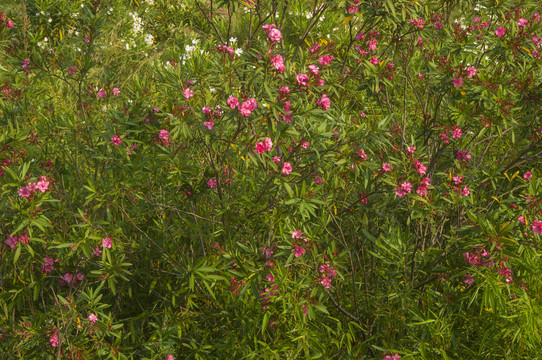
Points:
x=372 y=45
x=536 y=227
x=268 y=144
x=374 y=61
x=92 y=318
x=107 y=243
x=24 y=192
x=260 y=148
x=209 y=124
x=457 y=179
x=305 y=144
x=352 y=9
x=471 y=71
x=298 y=251
x=528 y=175
x=465 y=191
x=42 y=184
x=270 y=278
x=297 y=234
x=458 y=82
x=248 y=106
x=500 y=31
x=386 y=167
x=411 y=149
x=404 y=189
x=324 y=102
x=101 y=93
x=116 y=91
x=521 y=219
x=286 y=168
x=232 y=102
x=268 y=27
x=278 y=63
x=325 y=282
x=9 y=24
x=276 y=159
x=325 y=60
x=274 y=35
x=12 y=241
x=170 y=357
x=212 y=183
x=302 y=79
x=314 y=69
x=54 y=339
x=188 y=93
x=457 y=133
x=116 y=140
x=468 y=279
x=48 y=266
x=164 y=135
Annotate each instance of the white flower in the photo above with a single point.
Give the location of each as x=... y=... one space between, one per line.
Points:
x=238 y=52
x=50 y=20
x=195 y=41
x=212 y=89
x=189 y=48
x=233 y=40
x=149 y=39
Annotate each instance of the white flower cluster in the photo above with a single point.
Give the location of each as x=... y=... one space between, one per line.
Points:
x=137 y=23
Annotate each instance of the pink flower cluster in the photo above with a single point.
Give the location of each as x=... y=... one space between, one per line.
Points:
x=246 y=108
x=71 y=280
x=324 y=102
x=424 y=187
x=92 y=318
x=164 y=136
x=418 y=23
x=462 y=155
x=286 y=168
x=48 y=266
x=116 y=140
x=278 y=63
x=12 y=241
x=267 y=294
x=107 y=243
x=212 y=183
x=211 y=115
x=403 y=189
x=42 y=186
x=479 y=258
x=327 y=273
x=264 y=146
x=392 y=357
x=273 y=33
x=420 y=168
x=536 y=227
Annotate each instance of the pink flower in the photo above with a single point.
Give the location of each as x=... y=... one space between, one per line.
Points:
x=457 y=133
x=468 y=279
x=107 y=243
x=96 y=251
x=276 y=159
x=522 y=22
x=457 y=179
x=92 y=318
x=471 y=71
x=402 y=190
x=297 y=234
x=386 y=167
x=212 y=183
x=25 y=64
x=209 y=124
x=116 y=91
x=270 y=278
x=9 y=24
x=314 y=69
x=207 y=110
x=101 y=94
x=500 y=31
x=170 y=357
x=12 y=241
x=278 y=63
x=54 y=339
x=48 y=266
x=232 y=102
x=164 y=135
x=372 y=45
x=521 y=219
x=268 y=144
x=116 y=140
x=188 y=93
x=24 y=192
x=325 y=60
x=318 y=180
x=305 y=144
x=268 y=27
x=536 y=227
x=528 y=175
x=374 y=61
x=411 y=149
x=286 y=168
x=274 y=35
x=24 y=239
x=248 y=106
x=260 y=148
x=352 y=9
x=325 y=282
x=302 y=79
x=324 y=102
x=298 y=251
x=465 y=191
x=458 y=82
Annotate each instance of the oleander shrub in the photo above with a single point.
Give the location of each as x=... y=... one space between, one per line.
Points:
x=270 y=179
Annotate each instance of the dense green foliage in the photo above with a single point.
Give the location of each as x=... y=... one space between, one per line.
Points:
x=181 y=179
